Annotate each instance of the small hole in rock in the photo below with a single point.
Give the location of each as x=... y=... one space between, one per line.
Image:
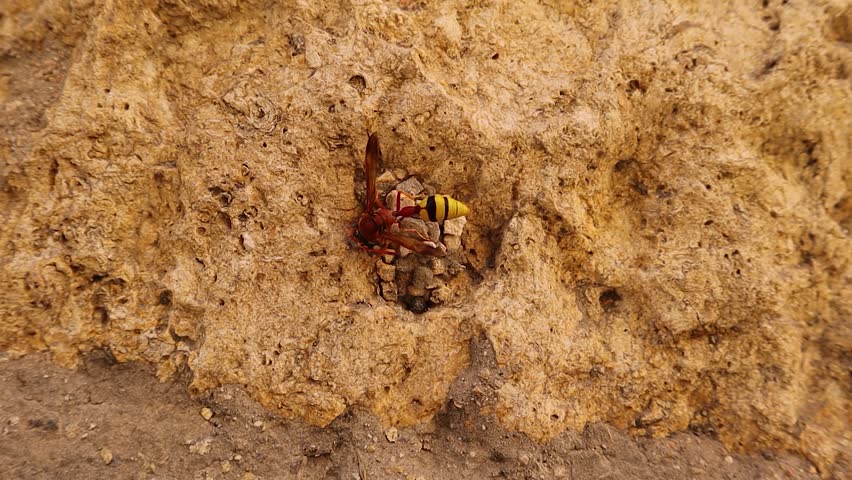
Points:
x=165 y=297
x=358 y=82
x=609 y=298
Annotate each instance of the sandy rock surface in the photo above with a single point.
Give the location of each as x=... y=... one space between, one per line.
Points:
x=659 y=192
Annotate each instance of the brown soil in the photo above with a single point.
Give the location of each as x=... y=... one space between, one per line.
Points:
x=59 y=423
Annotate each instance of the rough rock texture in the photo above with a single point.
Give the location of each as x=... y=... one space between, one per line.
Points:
x=659 y=235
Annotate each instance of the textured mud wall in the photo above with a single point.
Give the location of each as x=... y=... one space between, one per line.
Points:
x=660 y=195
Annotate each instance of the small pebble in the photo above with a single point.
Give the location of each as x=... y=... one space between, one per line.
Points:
x=399 y=173
x=406 y=265
x=389 y=291
x=386 y=177
x=452 y=242
x=206 y=413
x=392 y=434
x=434 y=231
x=438 y=265
x=106 y=455
x=312 y=58
x=237 y=458
x=386 y=272
x=423 y=278
x=525 y=459
x=226 y=466
x=71 y=431
x=416 y=224
x=257 y=424
x=729 y=459
x=454 y=226
x=201 y=447
x=390 y=200
x=410 y=185
x=247 y=241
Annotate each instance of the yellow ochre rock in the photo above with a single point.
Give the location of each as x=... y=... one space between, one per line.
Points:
x=659 y=197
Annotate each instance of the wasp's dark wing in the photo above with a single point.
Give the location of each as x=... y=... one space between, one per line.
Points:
x=371 y=160
x=414 y=245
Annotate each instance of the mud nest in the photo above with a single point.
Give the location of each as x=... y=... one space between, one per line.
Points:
x=419 y=282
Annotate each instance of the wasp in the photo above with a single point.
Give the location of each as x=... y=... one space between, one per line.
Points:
x=434 y=208
x=373 y=231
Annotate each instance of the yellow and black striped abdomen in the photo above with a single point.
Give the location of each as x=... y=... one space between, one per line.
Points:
x=437 y=208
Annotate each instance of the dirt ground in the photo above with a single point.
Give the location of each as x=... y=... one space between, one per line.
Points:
x=111 y=420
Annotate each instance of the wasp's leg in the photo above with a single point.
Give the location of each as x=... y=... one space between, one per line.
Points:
x=425 y=238
x=399 y=194
x=380 y=250
x=379 y=203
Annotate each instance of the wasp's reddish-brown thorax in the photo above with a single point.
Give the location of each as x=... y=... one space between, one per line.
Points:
x=374 y=224
x=370 y=226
